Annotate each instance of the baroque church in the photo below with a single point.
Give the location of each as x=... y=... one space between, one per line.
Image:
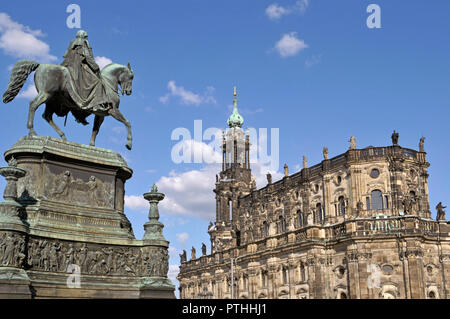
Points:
x=355 y=226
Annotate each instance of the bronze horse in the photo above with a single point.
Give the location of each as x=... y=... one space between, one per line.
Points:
x=53 y=83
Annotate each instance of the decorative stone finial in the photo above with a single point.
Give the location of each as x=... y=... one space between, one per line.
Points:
x=305 y=162
x=153 y=228
x=286 y=170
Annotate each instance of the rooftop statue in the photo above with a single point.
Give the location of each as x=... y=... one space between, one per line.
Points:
x=440 y=211
x=76 y=86
x=352 y=143
x=394 y=137
x=421 y=144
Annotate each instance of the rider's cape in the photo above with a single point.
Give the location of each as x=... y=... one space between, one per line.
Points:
x=85 y=88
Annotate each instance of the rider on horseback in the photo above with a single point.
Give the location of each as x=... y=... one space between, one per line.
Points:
x=88 y=89
x=75 y=87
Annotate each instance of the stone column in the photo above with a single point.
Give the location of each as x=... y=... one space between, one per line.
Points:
x=10 y=209
x=155 y=284
x=14 y=281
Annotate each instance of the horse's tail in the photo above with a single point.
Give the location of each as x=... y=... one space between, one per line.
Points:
x=19 y=75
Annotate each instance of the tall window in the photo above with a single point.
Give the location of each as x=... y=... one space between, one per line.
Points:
x=264 y=278
x=285 y=275
x=319 y=213
x=377 y=200
x=238 y=238
x=341 y=206
x=302 y=272
x=300 y=219
x=367 y=203
x=265 y=229
x=281 y=224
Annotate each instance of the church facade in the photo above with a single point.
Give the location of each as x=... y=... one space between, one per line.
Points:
x=357 y=225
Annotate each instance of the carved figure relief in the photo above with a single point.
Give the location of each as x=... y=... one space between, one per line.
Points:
x=66 y=187
x=11 y=249
x=56 y=256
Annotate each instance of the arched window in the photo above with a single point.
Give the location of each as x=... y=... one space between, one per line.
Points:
x=377 y=200
x=265 y=229
x=341 y=206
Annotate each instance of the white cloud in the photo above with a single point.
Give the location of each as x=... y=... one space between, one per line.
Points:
x=102 y=61
x=183 y=238
x=276 y=12
x=301 y=6
x=29 y=93
x=136 y=202
x=188 y=97
x=21 y=41
x=190 y=193
x=313 y=60
x=290 y=45
x=173 y=272
x=191 y=150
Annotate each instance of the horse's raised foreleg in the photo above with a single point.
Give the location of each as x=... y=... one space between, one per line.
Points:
x=48 y=116
x=115 y=113
x=97 y=123
x=34 y=104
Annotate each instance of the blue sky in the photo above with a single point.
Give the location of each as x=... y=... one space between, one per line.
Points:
x=315 y=71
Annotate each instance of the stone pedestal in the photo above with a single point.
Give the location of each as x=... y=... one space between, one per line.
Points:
x=71 y=190
x=63 y=231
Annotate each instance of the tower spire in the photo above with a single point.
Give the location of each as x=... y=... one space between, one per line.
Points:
x=235 y=119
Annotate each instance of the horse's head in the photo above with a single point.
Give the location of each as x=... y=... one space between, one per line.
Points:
x=126 y=80
x=118 y=74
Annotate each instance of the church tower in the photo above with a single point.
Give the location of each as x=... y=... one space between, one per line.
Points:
x=234 y=181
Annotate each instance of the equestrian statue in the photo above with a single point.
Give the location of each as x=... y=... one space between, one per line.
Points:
x=76 y=86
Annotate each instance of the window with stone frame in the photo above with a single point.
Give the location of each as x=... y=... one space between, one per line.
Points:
x=302 y=272
x=376 y=199
x=300 y=219
x=265 y=229
x=285 y=274
x=264 y=277
x=281 y=224
x=341 y=206
x=319 y=214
